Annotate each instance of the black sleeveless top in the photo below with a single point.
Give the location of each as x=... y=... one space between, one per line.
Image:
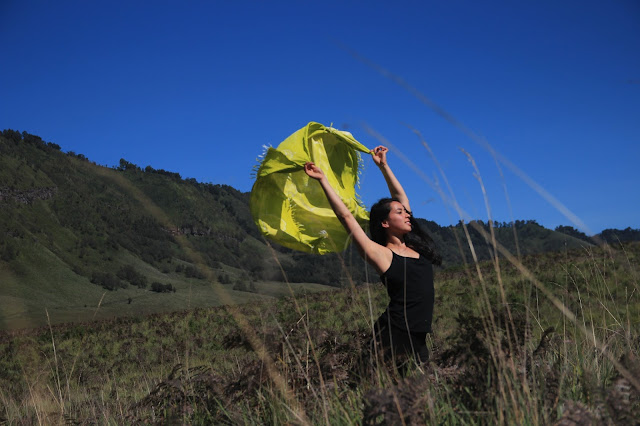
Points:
x=409 y=283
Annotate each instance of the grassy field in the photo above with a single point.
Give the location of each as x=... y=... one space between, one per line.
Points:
x=554 y=337
x=27 y=292
x=80 y=301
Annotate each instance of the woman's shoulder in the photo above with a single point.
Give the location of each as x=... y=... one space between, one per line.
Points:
x=379 y=256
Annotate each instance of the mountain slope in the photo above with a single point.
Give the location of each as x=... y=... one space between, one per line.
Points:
x=71 y=230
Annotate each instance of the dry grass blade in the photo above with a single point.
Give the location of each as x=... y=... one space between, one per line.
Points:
x=473 y=136
x=534 y=185
x=566 y=312
x=57 y=372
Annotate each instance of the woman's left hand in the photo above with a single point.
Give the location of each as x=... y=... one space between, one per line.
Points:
x=380 y=155
x=313 y=171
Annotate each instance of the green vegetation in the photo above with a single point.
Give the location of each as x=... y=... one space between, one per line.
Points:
x=97 y=256
x=303 y=359
x=71 y=229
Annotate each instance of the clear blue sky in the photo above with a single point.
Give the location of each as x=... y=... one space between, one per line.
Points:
x=198 y=87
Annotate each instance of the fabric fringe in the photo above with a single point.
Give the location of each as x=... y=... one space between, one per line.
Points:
x=259 y=159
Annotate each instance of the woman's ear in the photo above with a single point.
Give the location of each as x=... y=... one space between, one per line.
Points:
x=385 y=223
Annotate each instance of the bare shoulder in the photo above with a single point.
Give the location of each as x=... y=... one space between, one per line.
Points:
x=378 y=256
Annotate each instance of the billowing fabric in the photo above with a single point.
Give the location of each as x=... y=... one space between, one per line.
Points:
x=291 y=208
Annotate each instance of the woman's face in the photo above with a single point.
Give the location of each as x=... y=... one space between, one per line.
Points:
x=398 y=219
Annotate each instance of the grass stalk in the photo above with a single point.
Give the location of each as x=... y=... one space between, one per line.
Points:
x=58 y=382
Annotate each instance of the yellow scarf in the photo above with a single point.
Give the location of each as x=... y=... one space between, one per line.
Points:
x=290 y=208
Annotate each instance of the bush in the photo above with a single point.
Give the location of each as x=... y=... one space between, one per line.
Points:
x=193 y=272
x=107 y=280
x=128 y=273
x=158 y=287
x=245 y=284
x=240 y=286
x=8 y=251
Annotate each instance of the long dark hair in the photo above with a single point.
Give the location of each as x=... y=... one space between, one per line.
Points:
x=417 y=239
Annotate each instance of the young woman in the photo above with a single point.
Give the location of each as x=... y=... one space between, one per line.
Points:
x=403 y=256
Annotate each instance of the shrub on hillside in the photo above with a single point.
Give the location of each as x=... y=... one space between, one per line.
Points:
x=128 y=273
x=193 y=272
x=8 y=251
x=158 y=287
x=245 y=285
x=107 y=280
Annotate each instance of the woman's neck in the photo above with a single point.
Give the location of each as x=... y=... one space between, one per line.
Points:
x=398 y=246
x=395 y=242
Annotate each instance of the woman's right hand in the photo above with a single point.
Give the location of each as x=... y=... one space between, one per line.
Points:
x=313 y=171
x=380 y=155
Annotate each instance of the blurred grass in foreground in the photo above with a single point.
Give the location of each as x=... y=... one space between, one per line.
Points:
x=526 y=364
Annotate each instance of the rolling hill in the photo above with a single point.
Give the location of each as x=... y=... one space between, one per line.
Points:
x=75 y=235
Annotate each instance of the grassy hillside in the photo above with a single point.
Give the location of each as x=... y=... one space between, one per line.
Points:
x=75 y=235
x=554 y=338
x=73 y=231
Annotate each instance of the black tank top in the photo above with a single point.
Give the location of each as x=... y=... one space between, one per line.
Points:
x=409 y=283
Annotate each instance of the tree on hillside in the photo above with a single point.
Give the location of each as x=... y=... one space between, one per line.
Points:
x=572 y=232
x=125 y=165
x=13 y=135
x=615 y=235
x=129 y=273
x=107 y=280
x=158 y=287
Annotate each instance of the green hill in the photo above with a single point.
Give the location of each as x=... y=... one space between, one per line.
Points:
x=75 y=234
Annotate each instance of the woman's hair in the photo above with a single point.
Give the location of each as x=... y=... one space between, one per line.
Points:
x=417 y=239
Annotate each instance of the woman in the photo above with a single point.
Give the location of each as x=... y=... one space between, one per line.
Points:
x=403 y=256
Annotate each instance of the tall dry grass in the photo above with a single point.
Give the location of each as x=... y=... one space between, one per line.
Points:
x=526 y=364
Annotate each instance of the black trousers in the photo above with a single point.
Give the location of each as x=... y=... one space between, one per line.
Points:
x=397 y=343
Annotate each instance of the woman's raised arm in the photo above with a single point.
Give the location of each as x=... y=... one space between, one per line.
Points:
x=378 y=256
x=395 y=189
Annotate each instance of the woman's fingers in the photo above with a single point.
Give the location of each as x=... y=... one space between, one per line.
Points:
x=312 y=170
